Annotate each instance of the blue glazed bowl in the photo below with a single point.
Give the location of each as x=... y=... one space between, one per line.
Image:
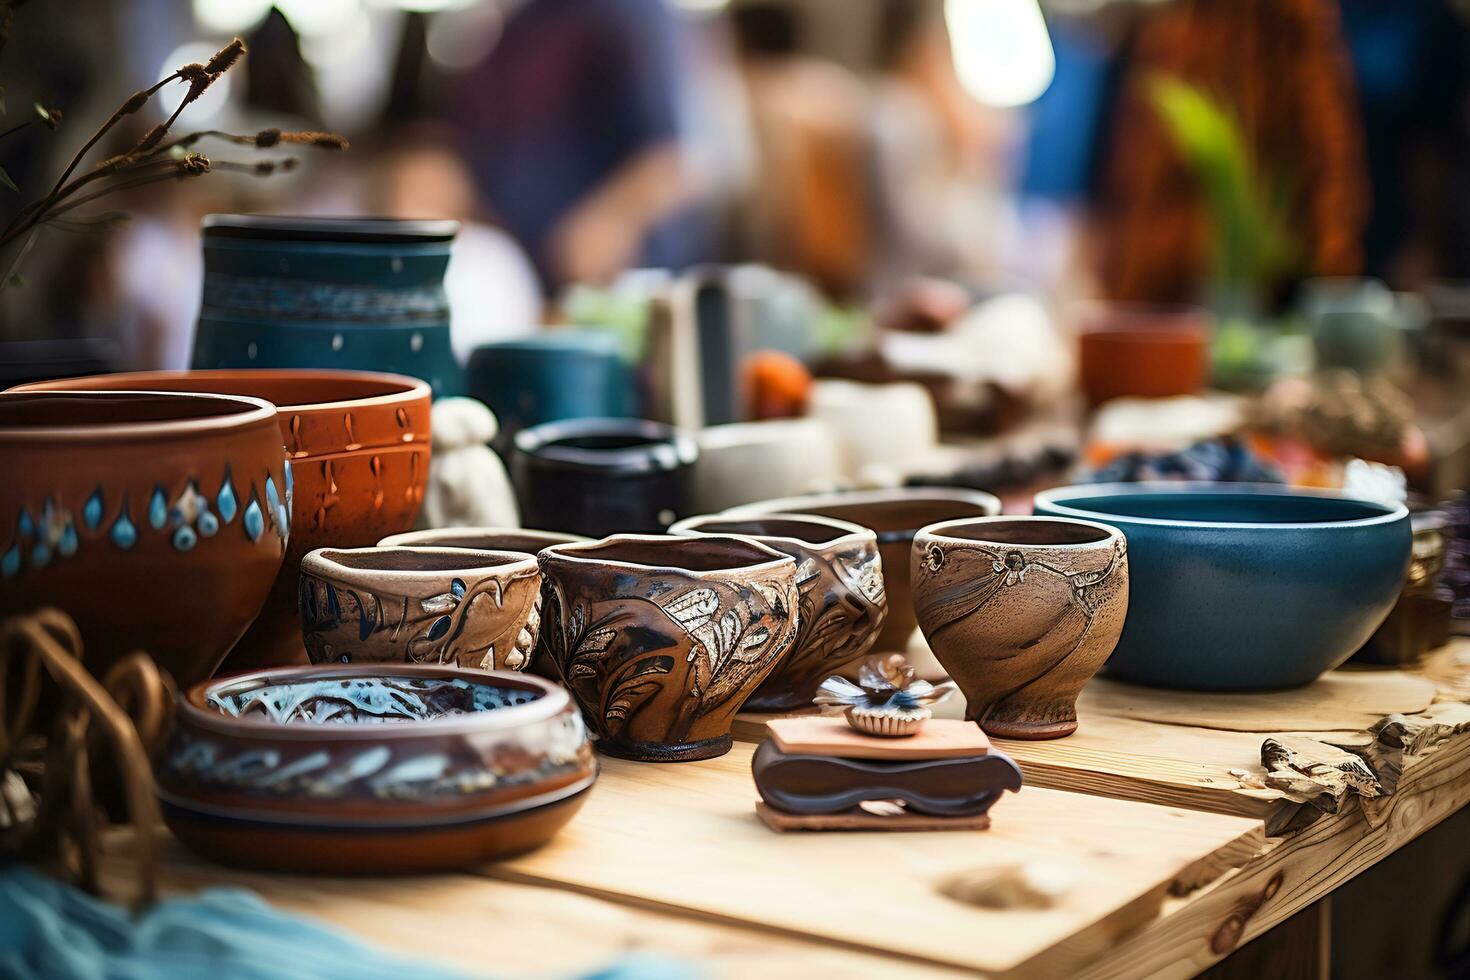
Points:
x=560 y=374
x=1239 y=587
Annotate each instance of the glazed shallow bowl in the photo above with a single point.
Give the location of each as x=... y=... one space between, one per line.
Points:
x=359 y=449
x=1244 y=587
x=453 y=606
x=895 y=516
x=358 y=769
x=156 y=521
x=661 y=639
x=1021 y=611
x=842 y=605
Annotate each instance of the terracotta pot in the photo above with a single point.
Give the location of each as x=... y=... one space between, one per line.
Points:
x=896 y=516
x=421 y=605
x=158 y=522
x=1143 y=352
x=367 y=769
x=839 y=578
x=662 y=639
x=1021 y=611
x=359 y=447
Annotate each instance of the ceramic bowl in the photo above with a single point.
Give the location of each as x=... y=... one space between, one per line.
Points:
x=1021 y=611
x=1239 y=587
x=454 y=606
x=662 y=639
x=359 y=448
x=1143 y=352
x=839 y=578
x=603 y=476
x=367 y=769
x=895 y=516
x=157 y=521
x=749 y=461
x=346 y=293
x=876 y=426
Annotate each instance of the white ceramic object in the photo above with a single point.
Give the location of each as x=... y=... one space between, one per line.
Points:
x=885 y=427
x=749 y=461
x=468 y=484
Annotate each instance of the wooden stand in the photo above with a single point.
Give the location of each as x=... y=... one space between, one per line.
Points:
x=862 y=820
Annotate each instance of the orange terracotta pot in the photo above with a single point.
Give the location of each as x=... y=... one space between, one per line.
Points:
x=157 y=522
x=359 y=449
x=1143 y=352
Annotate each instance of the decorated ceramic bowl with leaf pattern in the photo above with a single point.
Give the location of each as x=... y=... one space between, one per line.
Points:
x=662 y=639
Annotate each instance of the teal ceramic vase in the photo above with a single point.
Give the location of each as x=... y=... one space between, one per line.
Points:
x=361 y=294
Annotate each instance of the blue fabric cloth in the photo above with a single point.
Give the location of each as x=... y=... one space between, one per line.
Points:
x=50 y=931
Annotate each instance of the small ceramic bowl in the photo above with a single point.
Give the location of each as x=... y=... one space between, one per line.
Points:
x=1021 y=611
x=839 y=578
x=662 y=639
x=747 y=461
x=895 y=516
x=420 y=605
x=1239 y=587
x=366 y=769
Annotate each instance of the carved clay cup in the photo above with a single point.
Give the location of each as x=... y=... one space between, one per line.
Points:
x=662 y=639
x=421 y=606
x=1021 y=611
x=842 y=606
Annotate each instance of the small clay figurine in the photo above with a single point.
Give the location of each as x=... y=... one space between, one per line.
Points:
x=887 y=700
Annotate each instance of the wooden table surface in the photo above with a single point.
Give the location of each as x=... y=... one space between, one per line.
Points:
x=1157 y=830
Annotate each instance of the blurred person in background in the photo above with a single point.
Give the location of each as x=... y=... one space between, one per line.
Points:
x=571 y=129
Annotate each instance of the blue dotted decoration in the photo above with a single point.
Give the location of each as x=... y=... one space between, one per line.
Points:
x=157 y=509
x=254 y=520
x=68 y=543
x=41 y=555
x=208 y=523
x=10 y=562
x=272 y=499
x=93 y=510
x=185 y=538
x=290 y=481
x=226 y=500
x=123 y=533
x=25 y=527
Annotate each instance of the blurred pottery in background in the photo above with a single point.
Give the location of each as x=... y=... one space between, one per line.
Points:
x=877 y=428
x=555 y=375
x=1360 y=324
x=1143 y=352
x=356 y=293
x=1021 y=611
x=372 y=769
x=1240 y=587
x=359 y=449
x=839 y=578
x=662 y=639
x=750 y=461
x=895 y=516
x=1420 y=619
x=468 y=483
x=156 y=521
x=603 y=476
x=421 y=605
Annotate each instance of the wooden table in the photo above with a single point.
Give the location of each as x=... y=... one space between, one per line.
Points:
x=1157 y=830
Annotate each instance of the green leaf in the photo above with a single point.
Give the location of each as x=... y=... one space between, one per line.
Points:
x=5 y=179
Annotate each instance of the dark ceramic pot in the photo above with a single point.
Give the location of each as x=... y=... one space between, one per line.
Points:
x=363 y=294
x=603 y=476
x=839 y=578
x=156 y=521
x=1021 y=611
x=359 y=449
x=561 y=374
x=662 y=639
x=421 y=605
x=367 y=769
x=1244 y=587
x=895 y=516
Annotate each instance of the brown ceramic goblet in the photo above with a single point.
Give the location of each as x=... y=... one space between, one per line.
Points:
x=359 y=449
x=1021 y=611
x=662 y=639
x=839 y=578
x=420 y=605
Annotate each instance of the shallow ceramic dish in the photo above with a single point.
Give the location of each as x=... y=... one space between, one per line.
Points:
x=1244 y=587
x=662 y=639
x=895 y=516
x=839 y=578
x=156 y=521
x=1021 y=611
x=421 y=605
x=359 y=449
x=372 y=768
